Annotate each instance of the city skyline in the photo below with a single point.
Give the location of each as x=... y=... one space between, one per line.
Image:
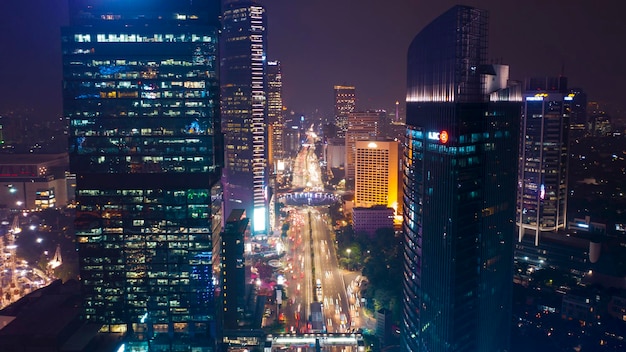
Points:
x=370 y=53
x=159 y=98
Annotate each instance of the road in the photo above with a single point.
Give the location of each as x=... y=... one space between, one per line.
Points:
x=315 y=274
x=333 y=295
x=18 y=278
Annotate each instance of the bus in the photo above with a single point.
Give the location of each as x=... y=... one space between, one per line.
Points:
x=316 y=320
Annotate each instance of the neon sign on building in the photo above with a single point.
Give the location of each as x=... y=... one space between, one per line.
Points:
x=439 y=136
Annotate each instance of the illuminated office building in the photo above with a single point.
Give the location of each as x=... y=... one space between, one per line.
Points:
x=36 y=181
x=275 y=118
x=542 y=180
x=243 y=98
x=459 y=190
x=293 y=135
x=362 y=126
x=140 y=90
x=345 y=103
x=377 y=174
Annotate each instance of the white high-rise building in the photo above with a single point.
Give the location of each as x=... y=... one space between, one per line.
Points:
x=377 y=173
x=244 y=110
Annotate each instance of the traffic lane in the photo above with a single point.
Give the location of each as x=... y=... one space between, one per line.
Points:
x=335 y=286
x=299 y=293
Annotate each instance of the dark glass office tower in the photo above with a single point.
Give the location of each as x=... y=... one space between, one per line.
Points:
x=233 y=270
x=459 y=190
x=244 y=114
x=141 y=91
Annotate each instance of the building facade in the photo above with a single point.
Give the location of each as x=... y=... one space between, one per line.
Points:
x=244 y=110
x=578 y=123
x=459 y=192
x=140 y=90
x=371 y=219
x=542 y=180
x=275 y=117
x=362 y=126
x=36 y=181
x=233 y=271
x=345 y=103
x=377 y=174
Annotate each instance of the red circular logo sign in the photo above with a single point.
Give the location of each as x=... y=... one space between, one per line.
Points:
x=443 y=137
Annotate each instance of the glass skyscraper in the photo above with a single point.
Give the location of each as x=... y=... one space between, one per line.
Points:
x=244 y=110
x=140 y=90
x=542 y=180
x=459 y=190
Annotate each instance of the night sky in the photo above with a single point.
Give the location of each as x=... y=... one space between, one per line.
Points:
x=361 y=42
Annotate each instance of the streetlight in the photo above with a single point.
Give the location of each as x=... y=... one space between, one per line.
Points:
x=349 y=251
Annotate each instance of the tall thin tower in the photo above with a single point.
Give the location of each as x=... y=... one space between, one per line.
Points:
x=459 y=191
x=140 y=90
x=345 y=103
x=244 y=110
x=275 y=112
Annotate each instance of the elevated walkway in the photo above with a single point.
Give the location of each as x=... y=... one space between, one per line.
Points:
x=317 y=341
x=309 y=198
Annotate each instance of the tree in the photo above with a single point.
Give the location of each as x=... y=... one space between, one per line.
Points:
x=383 y=268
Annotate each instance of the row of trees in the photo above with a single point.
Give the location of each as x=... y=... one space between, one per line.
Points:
x=378 y=257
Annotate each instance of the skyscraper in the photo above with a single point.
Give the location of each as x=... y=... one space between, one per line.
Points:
x=345 y=103
x=275 y=112
x=459 y=191
x=140 y=90
x=578 y=121
x=542 y=180
x=244 y=109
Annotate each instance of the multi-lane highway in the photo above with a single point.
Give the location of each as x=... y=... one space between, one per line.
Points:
x=333 y=288
x=314 y=274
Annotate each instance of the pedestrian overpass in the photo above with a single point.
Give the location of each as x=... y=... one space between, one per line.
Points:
x=309 y=198
x=314 y=341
